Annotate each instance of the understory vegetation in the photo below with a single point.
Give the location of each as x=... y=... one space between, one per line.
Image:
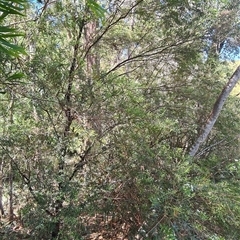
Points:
x=101 y=103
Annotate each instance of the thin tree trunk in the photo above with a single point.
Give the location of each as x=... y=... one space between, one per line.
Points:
x=215 y=112
x=67 y=126
x=91 y=58
x=11 y=214
x=1 y=187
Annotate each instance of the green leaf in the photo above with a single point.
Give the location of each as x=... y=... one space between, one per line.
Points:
x=7 y=29
x=10 y=48
x=97 y=9
x=16 y=76
x=11 y=35
x=12 y=7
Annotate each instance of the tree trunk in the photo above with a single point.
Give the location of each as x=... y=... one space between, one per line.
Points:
x=11 y=214
x=215 y=112
x=58 y=207
x=1 y=187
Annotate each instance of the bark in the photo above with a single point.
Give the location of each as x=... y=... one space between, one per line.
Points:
x=1 y=188
x=11 y=214
x=215 y=112
x=93 y=118
x=91 y=58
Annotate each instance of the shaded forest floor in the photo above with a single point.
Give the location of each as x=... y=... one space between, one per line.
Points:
x=96 y=228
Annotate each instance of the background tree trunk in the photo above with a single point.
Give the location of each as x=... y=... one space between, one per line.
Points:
x=11 y=214
x=1 y=187
x=215 y=112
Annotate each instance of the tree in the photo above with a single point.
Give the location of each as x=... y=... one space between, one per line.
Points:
x=216 y=111
x=110 y=103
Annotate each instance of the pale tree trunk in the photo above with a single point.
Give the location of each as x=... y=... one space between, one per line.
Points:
x=94 y=118
x=215 y=112
x=1 y=187
x=91 y=58
x=11 y=213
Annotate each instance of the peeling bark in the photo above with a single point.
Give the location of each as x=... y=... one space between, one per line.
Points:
x=215 y=112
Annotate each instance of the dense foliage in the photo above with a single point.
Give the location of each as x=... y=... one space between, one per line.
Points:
x=98 y=118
